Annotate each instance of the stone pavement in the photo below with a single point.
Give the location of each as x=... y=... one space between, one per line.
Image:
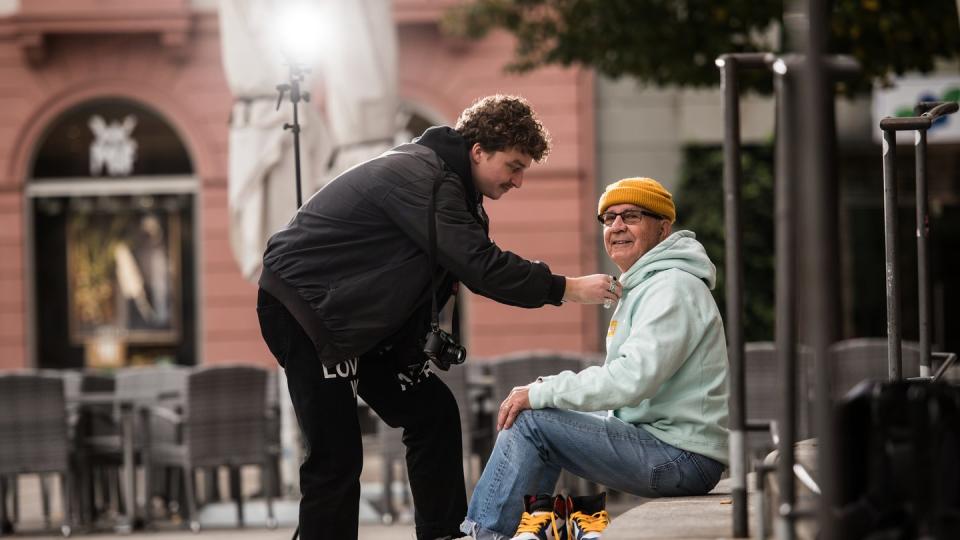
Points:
x=217 y=519
x=674 y=518
x=367 y=532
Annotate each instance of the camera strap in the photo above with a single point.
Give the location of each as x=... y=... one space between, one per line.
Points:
x=432 y=235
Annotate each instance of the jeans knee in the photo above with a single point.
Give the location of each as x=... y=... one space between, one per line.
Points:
x=520 y=432
x=526 y=421
x=529 y=428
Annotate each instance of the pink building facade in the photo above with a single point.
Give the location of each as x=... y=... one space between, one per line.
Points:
x=160 y=59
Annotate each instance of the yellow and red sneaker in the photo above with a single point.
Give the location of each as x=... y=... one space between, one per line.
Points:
x=544 y=518
x=587 y=516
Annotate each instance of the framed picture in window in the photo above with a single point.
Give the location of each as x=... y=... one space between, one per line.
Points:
x=123 y=266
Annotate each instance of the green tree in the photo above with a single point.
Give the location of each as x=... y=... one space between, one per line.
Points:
x=676 y=41
x=700 y=209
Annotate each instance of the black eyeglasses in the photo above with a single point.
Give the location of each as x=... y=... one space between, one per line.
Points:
x=630 y=217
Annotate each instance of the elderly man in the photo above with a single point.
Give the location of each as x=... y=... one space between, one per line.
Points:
x=664 y=383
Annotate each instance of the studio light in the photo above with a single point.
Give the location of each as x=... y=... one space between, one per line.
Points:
x=300 y=30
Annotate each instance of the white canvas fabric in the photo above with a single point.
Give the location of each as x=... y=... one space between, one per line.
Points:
x=353 y=83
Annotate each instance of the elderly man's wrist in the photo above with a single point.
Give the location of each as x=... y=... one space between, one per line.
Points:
x=533 y=393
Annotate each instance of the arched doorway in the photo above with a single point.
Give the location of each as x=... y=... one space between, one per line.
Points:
x=111 y=214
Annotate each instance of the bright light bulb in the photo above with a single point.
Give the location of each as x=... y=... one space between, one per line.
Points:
x=299 y=30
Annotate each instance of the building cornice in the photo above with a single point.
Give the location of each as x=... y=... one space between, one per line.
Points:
x=421 y=11
x=31 y=31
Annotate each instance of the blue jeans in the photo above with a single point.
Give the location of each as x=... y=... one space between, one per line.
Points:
x=529 y=456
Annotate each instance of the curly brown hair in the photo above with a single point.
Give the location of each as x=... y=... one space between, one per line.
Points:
x=500 y=122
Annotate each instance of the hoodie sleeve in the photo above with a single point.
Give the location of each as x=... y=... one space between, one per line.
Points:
x=464 y=248
x=664 y=331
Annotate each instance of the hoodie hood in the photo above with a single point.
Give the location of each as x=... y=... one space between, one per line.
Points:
x=680 y=250
x=452 y=149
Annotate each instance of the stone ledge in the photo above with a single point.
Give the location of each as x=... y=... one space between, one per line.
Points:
x=679 y=518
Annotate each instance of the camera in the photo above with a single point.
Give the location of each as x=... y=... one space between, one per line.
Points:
x=442 y=349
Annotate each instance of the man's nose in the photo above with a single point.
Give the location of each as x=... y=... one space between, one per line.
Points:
x=517 y=179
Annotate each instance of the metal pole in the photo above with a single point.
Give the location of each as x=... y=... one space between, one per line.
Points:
x=785 y=330
x=927 y=112
x=819 y=259
x=297 y=75
x=295 y=98
x=890 y=227
x=923 y=262
x=733 y=260
x=734 y=281
x=930 y=110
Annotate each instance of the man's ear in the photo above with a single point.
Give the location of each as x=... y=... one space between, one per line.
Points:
x=665 y=230
x=476 y=153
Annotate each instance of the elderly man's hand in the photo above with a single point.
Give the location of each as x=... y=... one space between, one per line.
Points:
x=517 y=401
x=593 y=289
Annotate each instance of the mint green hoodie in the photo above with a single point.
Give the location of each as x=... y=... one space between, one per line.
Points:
x=666 y=365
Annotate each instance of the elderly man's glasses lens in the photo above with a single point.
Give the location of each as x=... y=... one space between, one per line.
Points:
x=630 y=217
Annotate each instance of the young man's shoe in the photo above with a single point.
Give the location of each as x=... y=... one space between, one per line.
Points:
x=587 y=516
x=544 y=518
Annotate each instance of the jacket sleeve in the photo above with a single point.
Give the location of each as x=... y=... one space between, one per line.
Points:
x=665 y=328
x=464 y=248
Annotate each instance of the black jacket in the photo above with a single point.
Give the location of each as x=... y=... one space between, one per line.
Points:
x=352 y=266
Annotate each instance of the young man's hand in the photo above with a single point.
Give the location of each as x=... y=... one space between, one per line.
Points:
x=593 y=289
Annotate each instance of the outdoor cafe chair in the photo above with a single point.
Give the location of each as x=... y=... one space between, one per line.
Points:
x=860 y=359
x=112 y=438
x=223 y=422
x=764 y=396
x=71 y=387
x=34 y=436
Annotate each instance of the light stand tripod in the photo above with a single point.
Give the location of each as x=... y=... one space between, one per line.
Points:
x=297 y=75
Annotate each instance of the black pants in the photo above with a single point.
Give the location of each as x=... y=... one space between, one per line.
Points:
x=325 y=403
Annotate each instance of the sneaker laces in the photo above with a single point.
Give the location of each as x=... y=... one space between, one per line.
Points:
x=533 y=523
x=595 y=522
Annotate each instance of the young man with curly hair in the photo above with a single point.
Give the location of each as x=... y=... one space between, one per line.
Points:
x=344 y=305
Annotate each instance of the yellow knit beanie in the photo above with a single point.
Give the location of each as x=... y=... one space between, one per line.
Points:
x=646 y=193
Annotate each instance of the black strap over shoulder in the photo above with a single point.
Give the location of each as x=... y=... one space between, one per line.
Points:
x=432 y=235
x=432 y=250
